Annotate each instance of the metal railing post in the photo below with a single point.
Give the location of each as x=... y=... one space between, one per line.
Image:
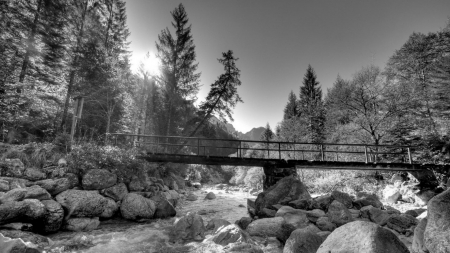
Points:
x=409 y=155
x=240 y=149
x=198 y=146
x=365 y=153
x=323 y=153
x=279 y=150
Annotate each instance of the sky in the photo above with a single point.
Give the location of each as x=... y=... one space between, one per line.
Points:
x=275 y=42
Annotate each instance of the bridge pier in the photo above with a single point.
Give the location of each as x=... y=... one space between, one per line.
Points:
x=274 y=172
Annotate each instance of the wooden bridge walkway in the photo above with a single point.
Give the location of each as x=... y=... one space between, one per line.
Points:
x=193 y=150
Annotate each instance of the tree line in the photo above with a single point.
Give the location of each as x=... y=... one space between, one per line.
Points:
x=405 y=103
x=52 y=51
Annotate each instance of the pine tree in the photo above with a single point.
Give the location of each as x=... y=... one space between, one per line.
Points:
x=267 y=135
x=291 y=108
x=178 y=59
x=311 y=105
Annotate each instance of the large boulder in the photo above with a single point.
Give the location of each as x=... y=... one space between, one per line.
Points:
x=296 y=217
x=342 y=197
x=188 y=227
x=9 y=245
x=302 y=240
x=110 y=210
x=37 y=192
x=164 y=208
x=55 y=186
x=243 y=222
x=422 y=197
x=78 y=203
x=98 y=179
x=13 y=168
x=271 y=227
x=17 y=182
x=135 y=207
x=116 y=192
x=418 y=240
x=28 y=210
x=285 y=190
x=210 y=196
x=339 y=214
x=437 y=231
x=362 y=236
x=81 y=224
x=17 y=194
x=52 y=219
x=229 y=234
x=322 y=202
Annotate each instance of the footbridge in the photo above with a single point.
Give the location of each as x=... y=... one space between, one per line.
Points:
x=330 y=156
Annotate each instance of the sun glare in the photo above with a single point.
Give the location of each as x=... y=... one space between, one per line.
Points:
x=151 y=64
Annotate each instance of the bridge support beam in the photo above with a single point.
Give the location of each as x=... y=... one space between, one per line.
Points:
x=274 y=172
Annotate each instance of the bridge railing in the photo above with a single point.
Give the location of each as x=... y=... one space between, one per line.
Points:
x=177 y=145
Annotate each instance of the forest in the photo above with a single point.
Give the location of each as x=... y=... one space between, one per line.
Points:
x=54 y=51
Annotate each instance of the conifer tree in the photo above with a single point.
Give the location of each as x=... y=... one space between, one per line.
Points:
x=311 y=105
x=291 y=108
x=178 y=60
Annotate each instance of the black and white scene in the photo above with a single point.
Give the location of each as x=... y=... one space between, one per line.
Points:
x=224 y=126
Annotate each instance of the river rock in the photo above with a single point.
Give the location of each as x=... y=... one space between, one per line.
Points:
x=322 y=202
x=33 y=174
x=9 y=245
x=421 y=198
x=375 y=214
x=437 y=231
x=210 y=195
x=28 y=210
x=296 y=217
x=4 y=185
x=339 y=214
x=164 y=208
x=342 y=197
x=244 y=222
x=81 y=224
x=14 y=168
x=362 y=236
x=17 y=194
x=135 y=207
x=271 y=227
x=110 y=210
x=191 y=197
x=401 y=222
x=53 y=217
x=188 y=227
x=215 y=224
x=302 y=240
x=367 y=199
x=116 y=192
x=314 y=214
x=37 y=192
x=80 y=203
x=27 y=237
x=231 y=233
x=55 y=186
x=287 y=189
x=418 y=240
x=304 y=204
x=324 y=224
x=98 y=179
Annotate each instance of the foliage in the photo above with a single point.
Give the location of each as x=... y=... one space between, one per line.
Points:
x=89 y=156
x=35 y=155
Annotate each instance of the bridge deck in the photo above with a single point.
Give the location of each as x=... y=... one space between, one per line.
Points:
x=258 y=162
x=331 y=156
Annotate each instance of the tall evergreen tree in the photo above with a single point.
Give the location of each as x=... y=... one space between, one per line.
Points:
x=311 y=105
x=178 y=59
x=267 y=135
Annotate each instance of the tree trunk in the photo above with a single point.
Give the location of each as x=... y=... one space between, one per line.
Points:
x=31 y=40
x=72 y=72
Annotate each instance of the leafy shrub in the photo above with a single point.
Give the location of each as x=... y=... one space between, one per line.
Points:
x=254 y=177
x=34 y=154
x=89 y=156
x=63 y=143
